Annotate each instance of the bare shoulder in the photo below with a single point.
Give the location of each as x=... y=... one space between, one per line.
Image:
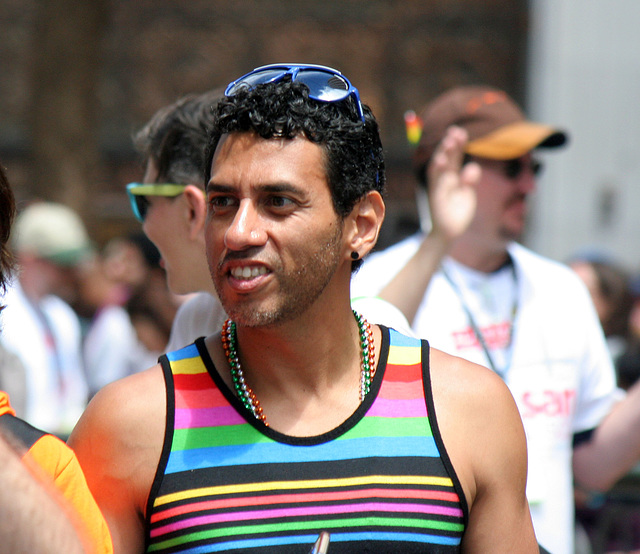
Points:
x=483 y=435
x=458 y=380
x=118 y=442
x=129 y=409
x=477 y=417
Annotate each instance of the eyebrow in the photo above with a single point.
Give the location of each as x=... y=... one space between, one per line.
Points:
x=215 y=187
x=269 y=187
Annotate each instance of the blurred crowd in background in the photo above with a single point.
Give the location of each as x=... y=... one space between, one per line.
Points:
x=121 y=311
x=77 y=316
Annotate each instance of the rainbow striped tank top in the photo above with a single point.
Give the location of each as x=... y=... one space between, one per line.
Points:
x=380 y=482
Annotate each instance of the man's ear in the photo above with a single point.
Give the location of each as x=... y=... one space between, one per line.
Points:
x=197 y=206
x=363 y=224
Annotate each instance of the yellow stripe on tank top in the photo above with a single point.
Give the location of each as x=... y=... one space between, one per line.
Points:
x=313 y=484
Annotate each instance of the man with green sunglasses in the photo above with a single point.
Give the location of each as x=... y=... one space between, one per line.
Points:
x=170 y=204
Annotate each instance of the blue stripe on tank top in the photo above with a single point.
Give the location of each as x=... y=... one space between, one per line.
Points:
x=398 y=339
x=277 y=453
x=190 y=351
x=310 y=539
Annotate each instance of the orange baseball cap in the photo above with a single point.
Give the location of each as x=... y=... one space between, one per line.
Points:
x=496 y=126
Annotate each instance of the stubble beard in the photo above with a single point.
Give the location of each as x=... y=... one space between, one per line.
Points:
x=297 y=290
x=508 y=232
x=510 y=235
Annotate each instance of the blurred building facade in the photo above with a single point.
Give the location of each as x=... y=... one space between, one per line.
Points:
x=583 y=73
x=78 y=78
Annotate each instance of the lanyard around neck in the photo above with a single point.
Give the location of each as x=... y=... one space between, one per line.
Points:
x=476 y=328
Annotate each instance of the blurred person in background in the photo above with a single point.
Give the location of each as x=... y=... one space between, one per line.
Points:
x=134 y=262
x=170 y=203
x=609 y=285
x=111 y=347
x=615 y=298
x=610 y=288
x=49 y=241
x=45 y=504
x=628 y=363
x=13 y=377
x=467 y=286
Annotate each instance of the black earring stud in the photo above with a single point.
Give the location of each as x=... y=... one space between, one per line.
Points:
x=354 y=255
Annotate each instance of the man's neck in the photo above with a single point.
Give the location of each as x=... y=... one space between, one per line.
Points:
x=299 y=352
x=480 y=257
x=305 y=377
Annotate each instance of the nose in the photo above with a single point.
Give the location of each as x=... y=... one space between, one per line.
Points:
x=526 y=181
x=246 y=228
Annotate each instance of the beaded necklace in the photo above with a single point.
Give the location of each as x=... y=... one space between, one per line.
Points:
x=245 y=392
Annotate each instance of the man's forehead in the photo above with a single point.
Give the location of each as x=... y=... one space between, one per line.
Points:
x=251 y=139
x=248 y=149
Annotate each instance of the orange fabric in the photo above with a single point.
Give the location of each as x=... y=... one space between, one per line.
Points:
x=5 y=406
x=57 y=467
x=59 y=462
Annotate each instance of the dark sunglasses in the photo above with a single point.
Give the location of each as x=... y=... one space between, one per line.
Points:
x=513 y=168
x=138 y=193
x=324 y=83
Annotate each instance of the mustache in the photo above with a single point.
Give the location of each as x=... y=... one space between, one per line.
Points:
x=516 y=198
x=236 y=255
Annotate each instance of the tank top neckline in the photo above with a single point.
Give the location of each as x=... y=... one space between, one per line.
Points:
x=328 y=436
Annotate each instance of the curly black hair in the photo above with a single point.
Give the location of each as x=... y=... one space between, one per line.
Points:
x=283 y=109
x=176 y=138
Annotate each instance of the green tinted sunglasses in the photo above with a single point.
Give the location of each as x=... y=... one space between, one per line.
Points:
x=138 y=193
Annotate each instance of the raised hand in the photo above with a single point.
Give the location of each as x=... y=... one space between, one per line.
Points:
x=452 y=187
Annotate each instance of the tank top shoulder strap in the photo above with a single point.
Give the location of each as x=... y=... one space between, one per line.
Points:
x=408 y=362
x=181 y=370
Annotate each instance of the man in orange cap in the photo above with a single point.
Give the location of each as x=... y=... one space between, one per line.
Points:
x=467 y=286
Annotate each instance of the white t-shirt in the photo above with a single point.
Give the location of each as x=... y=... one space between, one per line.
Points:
x=200 y=316
x=112 y=349
x=377 y=310
x=56 y=386
x=557 y=365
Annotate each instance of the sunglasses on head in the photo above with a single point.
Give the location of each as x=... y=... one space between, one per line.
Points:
x=138 y=193
x=324 y=83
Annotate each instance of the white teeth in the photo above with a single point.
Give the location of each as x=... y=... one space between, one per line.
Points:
x=248 y=272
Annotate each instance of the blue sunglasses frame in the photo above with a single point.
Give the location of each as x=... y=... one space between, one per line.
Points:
x=325 y=84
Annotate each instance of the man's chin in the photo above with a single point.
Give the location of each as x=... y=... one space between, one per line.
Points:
x=510 y=234
x=252 y=315
x=262 y=315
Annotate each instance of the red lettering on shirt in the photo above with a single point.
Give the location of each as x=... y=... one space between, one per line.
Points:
x=495 y=336
x=550 y=403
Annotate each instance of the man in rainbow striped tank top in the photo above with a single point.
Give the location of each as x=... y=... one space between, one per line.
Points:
x=299 y=416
